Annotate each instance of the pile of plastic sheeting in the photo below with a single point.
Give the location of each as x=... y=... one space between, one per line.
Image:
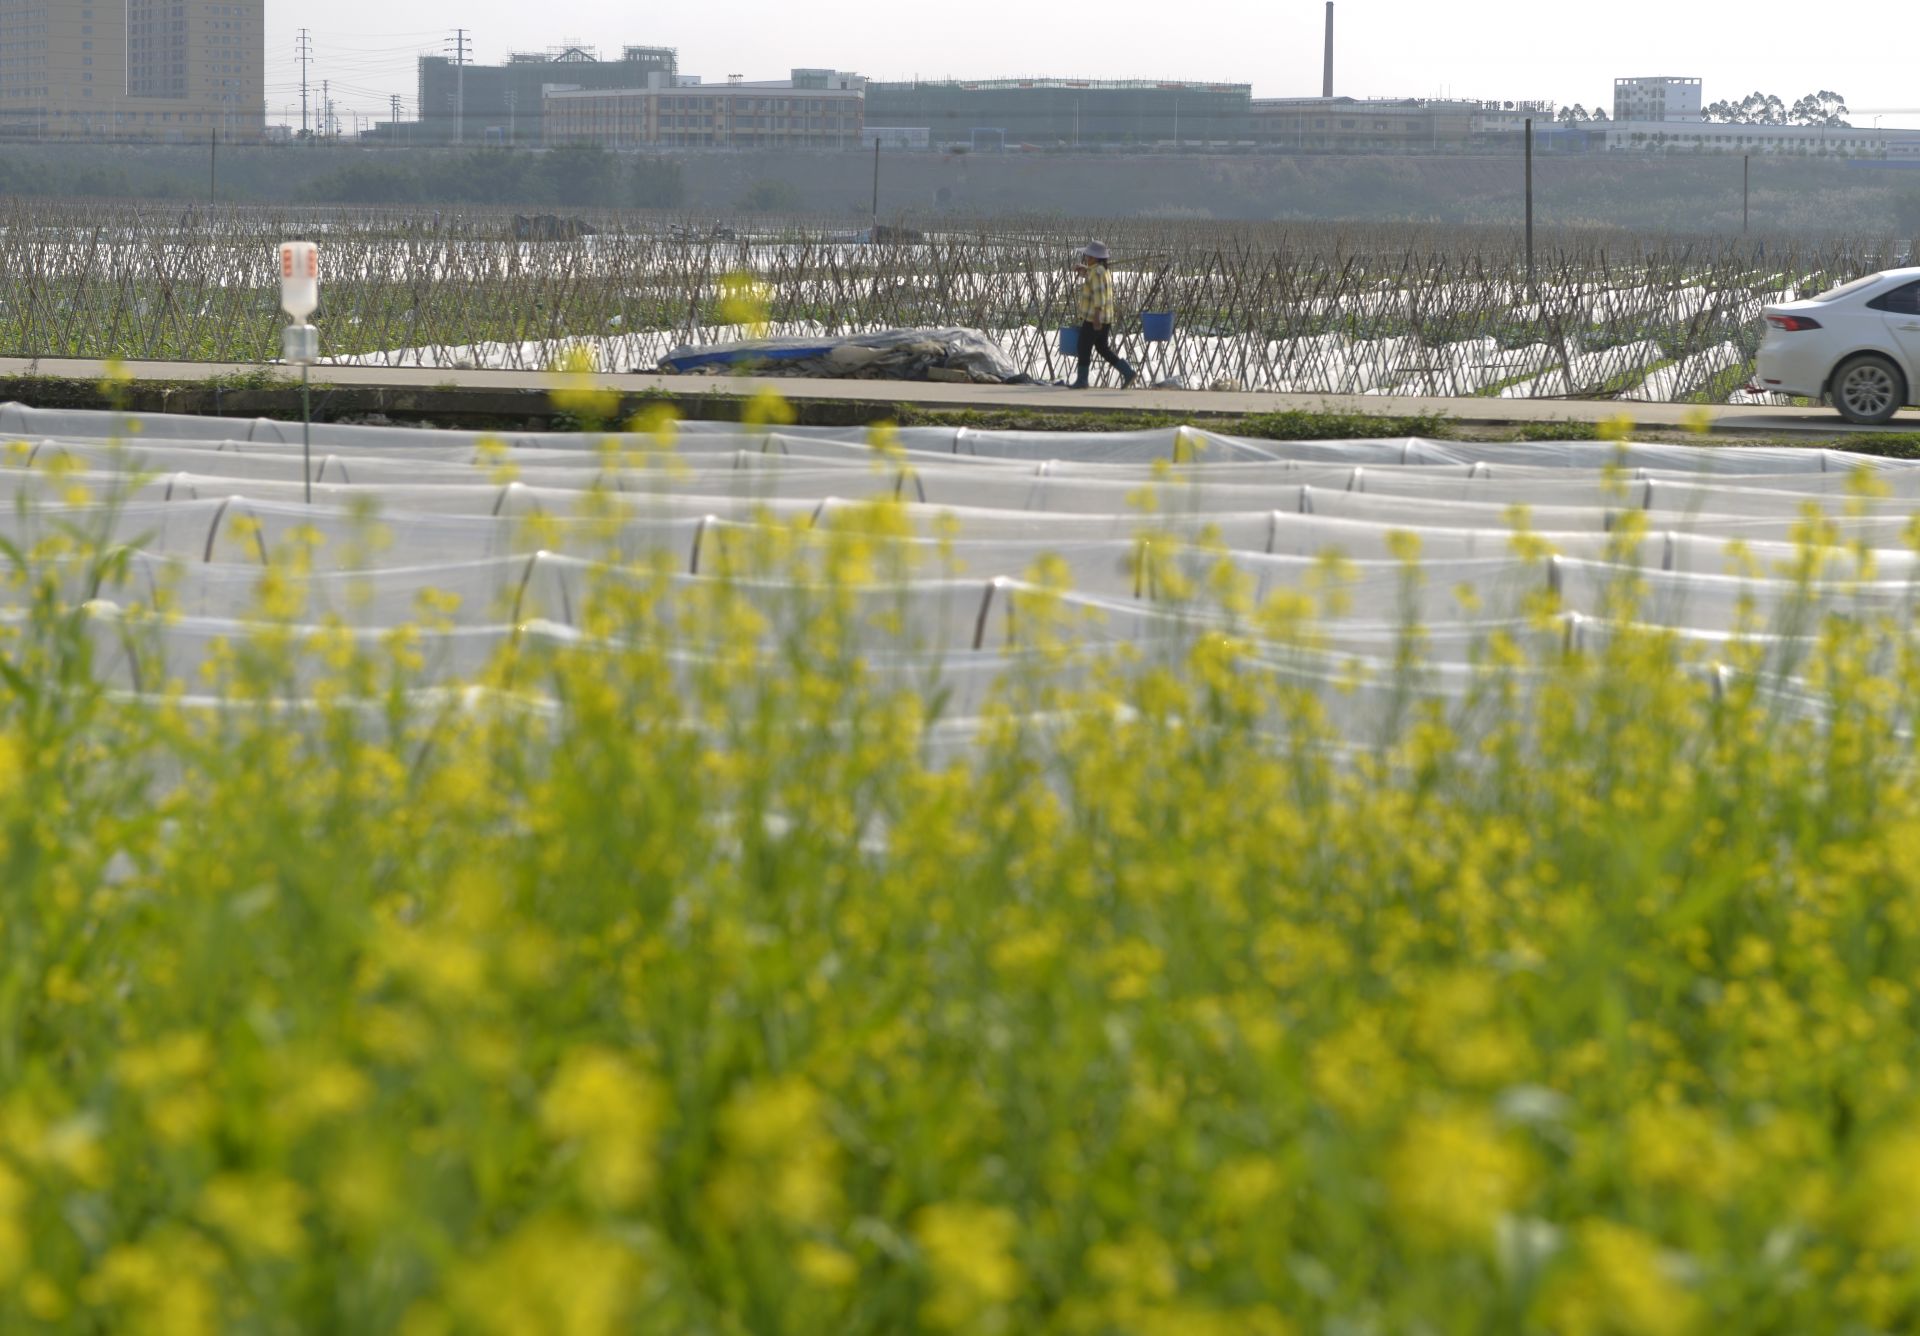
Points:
x=966 y=356
x=510 y=537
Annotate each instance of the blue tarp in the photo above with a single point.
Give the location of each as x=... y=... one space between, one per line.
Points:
x=888 y=354
x=731 y=354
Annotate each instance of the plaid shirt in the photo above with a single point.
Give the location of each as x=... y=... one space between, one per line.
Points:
x=1096 y=297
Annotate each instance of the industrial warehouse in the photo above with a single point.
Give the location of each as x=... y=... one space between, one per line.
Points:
x=116 y=70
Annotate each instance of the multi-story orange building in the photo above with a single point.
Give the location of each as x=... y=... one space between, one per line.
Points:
x=133 y=69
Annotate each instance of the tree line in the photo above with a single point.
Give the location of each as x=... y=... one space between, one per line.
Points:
x=1824 y=108
x=576 y=177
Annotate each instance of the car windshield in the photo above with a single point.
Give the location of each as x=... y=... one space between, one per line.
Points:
x=1848 y=289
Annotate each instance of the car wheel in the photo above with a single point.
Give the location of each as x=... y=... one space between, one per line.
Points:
x=1867 y=389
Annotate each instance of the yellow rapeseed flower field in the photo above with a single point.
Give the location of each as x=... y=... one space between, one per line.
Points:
x=674 y=977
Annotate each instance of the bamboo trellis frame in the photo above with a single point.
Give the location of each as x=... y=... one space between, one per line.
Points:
x=1315 y=307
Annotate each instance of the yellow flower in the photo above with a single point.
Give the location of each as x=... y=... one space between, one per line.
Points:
x=1029 y=953
x=1886 y=1195
x=780 y=1158
x=161 y=1286
x=258 y=1215
x=884 y=440
x=319 y=1091
x=969 y=1251
x=358 y=1189
x=613 y=1112
x=744 y=300
x=1356 y=1070
x=1617 y=428
x=169 y=1076
x=16 y=1244
x=1451 y=1177
x=1670 y=1146
x=577 y=391
x=176 y=1057
x=1141 y=1264
x=1697 y=421
x=827 y=1268
x=767 y=408
x=1620 y=1286
x=658 y=423
x=549 y=1276
x=1243 y=1186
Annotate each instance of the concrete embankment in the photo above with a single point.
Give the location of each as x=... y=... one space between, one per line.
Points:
x=518 y=399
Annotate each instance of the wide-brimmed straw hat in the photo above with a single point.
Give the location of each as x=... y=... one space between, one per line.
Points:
x=1095 y=250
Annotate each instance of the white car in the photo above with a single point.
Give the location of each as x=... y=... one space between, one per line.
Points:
x=1858 y=346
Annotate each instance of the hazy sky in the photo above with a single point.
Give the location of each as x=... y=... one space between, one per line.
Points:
x=1387 y=48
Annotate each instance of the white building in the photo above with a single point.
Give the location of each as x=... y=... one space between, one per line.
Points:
x=1500 y=118
x=815 y=109
x=1657 y=98
x=1648 y=136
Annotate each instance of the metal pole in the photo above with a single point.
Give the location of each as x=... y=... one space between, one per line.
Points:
x=304 y=48
x=306 y=427
x=876 y=183
x=1746 y=189
x=1530 y=279
x=460 y=84
x=213 y=166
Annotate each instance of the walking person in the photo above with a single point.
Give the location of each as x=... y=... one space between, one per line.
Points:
x=1097 y=316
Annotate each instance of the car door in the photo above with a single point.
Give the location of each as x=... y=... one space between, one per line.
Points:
x=1900 y=308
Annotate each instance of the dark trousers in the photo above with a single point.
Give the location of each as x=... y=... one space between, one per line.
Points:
x=1093 y=339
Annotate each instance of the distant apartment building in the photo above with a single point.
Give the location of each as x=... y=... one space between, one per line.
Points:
x=1656 y=98
x=815 y=109
x=1064 y=113
x=163 y=70
x=504 y=104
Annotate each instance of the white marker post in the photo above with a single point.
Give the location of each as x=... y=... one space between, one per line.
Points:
x=300 y=341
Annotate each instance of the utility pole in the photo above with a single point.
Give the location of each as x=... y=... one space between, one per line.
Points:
x=461 y=43
x=1532 y=287
x=303 y=48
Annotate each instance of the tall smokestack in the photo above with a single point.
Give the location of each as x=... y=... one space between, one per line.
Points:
x=1326 y=83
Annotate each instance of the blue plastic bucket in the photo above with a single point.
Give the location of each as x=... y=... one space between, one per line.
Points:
x=1157 y=326
x=1070 y=340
